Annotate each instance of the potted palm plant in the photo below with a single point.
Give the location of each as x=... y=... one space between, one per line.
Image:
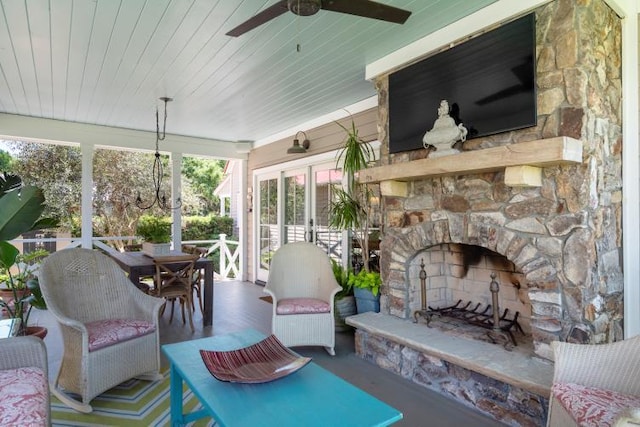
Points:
x=352 y=209
x=20 y=289
x=345 y=304
x=21 y=208
x=156 y=233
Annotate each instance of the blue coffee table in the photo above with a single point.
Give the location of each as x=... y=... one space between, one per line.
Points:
x=309 y=397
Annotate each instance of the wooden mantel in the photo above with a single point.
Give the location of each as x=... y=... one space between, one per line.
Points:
x=539 y=153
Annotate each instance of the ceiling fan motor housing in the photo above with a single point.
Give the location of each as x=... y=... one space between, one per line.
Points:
x=304 y=7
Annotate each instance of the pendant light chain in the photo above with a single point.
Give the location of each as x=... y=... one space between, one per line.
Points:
x=158 y=172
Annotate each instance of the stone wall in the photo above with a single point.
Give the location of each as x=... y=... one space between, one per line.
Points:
x=565 y=236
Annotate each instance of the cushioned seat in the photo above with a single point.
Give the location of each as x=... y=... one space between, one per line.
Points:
x=24 y=382
x=595 y=384
x=24 y=397
x=103 y=333
x=592 y=406
x=302 y=306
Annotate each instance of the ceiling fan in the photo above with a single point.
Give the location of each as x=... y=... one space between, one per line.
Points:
x=365 y=8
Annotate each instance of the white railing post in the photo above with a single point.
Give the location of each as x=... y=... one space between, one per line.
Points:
x=223 y=255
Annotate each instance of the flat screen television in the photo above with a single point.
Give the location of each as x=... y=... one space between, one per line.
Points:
x=489 y=82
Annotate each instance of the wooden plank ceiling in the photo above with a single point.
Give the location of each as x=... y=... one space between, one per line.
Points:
x=107 y=62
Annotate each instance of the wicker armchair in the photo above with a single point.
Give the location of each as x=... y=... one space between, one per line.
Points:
x=29 y=403
x=109 y=327
x=595 y=384
x=302 y=286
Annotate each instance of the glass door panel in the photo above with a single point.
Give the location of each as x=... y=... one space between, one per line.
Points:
x=268 y=234
x=295 y=208
x=326 y=180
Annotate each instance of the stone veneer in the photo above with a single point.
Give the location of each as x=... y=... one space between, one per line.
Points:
x=565 y=236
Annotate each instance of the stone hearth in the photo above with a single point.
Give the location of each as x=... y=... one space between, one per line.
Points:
x=510 y=386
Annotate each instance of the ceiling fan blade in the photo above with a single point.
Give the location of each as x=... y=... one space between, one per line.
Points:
x=367 y=9
x=265 y=16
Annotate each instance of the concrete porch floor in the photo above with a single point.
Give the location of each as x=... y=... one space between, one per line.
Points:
x=237 y=306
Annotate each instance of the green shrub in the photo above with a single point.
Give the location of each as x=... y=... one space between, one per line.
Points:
x=206 y=227
x=154 y=229
x=366 y=280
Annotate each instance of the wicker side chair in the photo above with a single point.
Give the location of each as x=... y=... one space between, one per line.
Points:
x=599 y=383
x=35 y=407
x=109 y=328
x=303 y=287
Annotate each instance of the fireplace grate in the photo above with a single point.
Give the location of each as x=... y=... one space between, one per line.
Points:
x=500 y=326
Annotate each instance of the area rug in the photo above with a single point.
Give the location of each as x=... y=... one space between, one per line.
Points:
x=133 y=403
x=267 y=299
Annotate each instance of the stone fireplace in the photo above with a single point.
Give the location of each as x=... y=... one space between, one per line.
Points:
x=556 y=246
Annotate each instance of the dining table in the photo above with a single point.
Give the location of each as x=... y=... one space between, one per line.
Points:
x=139 y=264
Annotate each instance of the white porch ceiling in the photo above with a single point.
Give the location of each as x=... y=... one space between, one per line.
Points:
x=106 y=62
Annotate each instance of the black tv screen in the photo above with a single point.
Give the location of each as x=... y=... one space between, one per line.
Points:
x=488 y=80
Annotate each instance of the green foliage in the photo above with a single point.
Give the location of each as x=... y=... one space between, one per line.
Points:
x=6 y=161
x=366 y=280
x=21 y=208
x=356 y=154
x=56 y=169
x=347 y=211
x=202 y=175
x=16 y=268
x=18 y=274
x=154 y=229
x=350 y=208
x=206 y=228
x=118 y=178
x=342 y=277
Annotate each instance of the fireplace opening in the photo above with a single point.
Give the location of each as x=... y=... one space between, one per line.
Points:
x=463 y=283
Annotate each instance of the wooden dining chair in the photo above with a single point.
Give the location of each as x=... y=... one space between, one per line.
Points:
x=173 y=281
x=198 y=275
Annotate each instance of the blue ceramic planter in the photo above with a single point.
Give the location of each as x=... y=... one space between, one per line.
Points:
x=365 y=301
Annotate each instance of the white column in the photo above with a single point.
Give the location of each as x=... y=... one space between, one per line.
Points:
x=243 y=222
x=629 y=10
x=87 y=151
x=176 y=191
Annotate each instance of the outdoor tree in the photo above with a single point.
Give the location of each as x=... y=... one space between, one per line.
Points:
x=203 y=175
x=119 y=176
x=57 y=170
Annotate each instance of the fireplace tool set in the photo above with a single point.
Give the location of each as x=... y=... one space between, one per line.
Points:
x=488 y=318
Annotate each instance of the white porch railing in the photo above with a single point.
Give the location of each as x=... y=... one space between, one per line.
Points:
x=228 y=257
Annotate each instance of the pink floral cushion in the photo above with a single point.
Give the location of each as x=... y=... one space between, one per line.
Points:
x=103 y=333
x=593 y=407
x=23 y=397
x=302 y=306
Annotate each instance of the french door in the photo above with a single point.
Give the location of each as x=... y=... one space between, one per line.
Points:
x=268 y=231
x=294 y=206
